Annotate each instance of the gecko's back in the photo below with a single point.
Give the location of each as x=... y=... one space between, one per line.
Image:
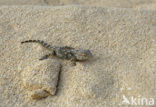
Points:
x=64 y=52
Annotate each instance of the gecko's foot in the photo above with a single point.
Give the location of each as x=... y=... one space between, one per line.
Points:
x=45 y=57
x=42 y=58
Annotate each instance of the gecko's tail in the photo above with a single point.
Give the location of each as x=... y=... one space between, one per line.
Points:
x=37 y=41
x=44 y=44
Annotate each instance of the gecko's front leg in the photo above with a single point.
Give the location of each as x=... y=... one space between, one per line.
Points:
x=73 y=62
x=47 y=56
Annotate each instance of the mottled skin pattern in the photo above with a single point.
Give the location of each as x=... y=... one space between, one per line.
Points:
x=64 y=52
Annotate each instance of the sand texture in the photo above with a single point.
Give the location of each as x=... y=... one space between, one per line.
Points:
x=101 y=3
x=122 y=41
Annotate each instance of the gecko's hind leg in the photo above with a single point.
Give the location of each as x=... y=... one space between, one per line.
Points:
x=73 y=62
x=47 y=56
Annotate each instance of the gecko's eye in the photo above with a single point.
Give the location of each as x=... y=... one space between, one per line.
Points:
x=83 y=54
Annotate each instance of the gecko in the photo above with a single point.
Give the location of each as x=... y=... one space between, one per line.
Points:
x=64 y=52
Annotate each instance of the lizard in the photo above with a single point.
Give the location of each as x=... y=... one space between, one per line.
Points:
x=64 y=52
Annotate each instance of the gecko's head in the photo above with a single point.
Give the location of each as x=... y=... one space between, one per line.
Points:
x=83 y=55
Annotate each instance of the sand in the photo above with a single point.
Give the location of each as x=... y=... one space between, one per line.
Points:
x=122 y=41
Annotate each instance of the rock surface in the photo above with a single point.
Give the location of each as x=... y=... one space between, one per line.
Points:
x=39 y=77
x=123 y=43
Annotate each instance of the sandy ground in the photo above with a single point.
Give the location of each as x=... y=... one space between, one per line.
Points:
x=98 y=3
x=122 y=41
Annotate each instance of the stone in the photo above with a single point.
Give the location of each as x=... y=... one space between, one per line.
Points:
x=42 y=77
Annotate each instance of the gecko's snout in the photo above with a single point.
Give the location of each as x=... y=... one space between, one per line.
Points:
x=84 y=54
